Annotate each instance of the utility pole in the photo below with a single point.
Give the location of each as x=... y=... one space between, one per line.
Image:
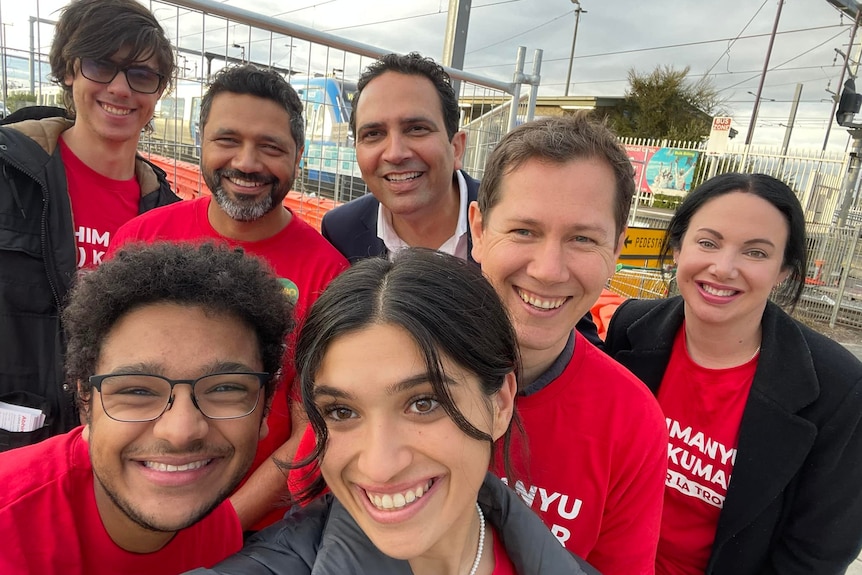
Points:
x=848 y=190
x=789 y=129
x=455 y=39
x=844 y=69
x=751 y=124
x=793 y=108
x=578 y=11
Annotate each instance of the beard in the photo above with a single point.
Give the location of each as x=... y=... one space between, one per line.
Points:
x=244 y=208
x=152 y=522
x=144 y=513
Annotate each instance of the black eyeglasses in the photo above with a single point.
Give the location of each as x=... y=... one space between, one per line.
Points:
x=140 y=79
x=137 y=397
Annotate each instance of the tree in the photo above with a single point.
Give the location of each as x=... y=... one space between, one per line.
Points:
x=18 y=100
x=666 y=104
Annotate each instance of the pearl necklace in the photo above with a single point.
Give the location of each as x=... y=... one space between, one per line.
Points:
x=478 y=558
x=756 y=351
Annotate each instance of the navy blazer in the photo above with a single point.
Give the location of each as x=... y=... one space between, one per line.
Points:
x=352 y=229
x=793 y=505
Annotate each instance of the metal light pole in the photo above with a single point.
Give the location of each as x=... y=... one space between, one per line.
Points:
x=242 y=56
x=750 y=134
x=578 y=11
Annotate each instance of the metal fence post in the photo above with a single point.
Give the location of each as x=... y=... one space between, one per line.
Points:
x=517 y=80
x=846 y=264
x=535 y=79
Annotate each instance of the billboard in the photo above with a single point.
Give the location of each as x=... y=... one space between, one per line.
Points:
x=666 y=171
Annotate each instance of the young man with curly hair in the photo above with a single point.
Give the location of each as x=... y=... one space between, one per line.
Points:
x=175 y=351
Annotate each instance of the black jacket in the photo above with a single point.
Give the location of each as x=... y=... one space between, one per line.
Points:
x=793 y=505
x=38 y=262
x=352 y=229
x=324 y=539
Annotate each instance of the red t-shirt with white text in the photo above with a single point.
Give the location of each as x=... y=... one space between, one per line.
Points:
x=592 y=462
x=703 y=409
x=302 y=259
x=51 y=524
x=100 y=206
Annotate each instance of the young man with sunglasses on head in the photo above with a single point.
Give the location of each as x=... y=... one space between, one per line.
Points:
x=174 y=372
x=66 y=186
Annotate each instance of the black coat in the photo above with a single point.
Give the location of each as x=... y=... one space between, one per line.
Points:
x=324 y=539
x=38 y=262
x=793 y=505
x=352 y=229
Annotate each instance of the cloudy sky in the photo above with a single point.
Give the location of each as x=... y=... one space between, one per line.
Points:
x=725 y=40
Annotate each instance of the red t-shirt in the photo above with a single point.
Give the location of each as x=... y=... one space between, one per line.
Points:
x=302 y=259
x=703 y=408
x=595 y=461
x=100 y=206
x=50 y=522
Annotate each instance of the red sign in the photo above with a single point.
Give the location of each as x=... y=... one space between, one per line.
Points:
x=721 y=124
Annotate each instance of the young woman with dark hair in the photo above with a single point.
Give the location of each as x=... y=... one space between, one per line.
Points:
x=407 y=369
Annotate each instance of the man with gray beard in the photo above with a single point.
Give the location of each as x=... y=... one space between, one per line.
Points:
x=252 y=141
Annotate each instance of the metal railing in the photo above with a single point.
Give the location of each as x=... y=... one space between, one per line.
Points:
x=209 y=35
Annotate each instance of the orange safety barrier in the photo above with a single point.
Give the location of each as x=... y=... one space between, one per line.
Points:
x=186 y=181
x=603 y=310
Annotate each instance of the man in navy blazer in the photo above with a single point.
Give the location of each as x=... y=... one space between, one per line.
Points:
x=409 y=149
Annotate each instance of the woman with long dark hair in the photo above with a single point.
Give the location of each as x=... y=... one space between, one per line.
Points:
x=765 y=447
x=407 y=369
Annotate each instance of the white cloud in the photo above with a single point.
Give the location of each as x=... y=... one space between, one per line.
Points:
x=607 y=28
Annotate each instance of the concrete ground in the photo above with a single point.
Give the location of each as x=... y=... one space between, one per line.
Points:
x=855 y=348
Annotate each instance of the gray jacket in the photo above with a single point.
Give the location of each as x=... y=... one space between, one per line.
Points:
x=323 y=539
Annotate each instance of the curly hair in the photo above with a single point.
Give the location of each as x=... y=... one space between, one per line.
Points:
x=99 y=29
x=413 y=64
x=213 y=277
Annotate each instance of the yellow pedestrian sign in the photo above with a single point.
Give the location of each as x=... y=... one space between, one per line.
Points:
x=642 y=247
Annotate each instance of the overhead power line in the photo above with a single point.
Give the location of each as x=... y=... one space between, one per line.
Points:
x=681 y=45
x=732 y=42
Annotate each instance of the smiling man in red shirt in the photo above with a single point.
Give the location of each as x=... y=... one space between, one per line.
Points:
x=174 y=371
